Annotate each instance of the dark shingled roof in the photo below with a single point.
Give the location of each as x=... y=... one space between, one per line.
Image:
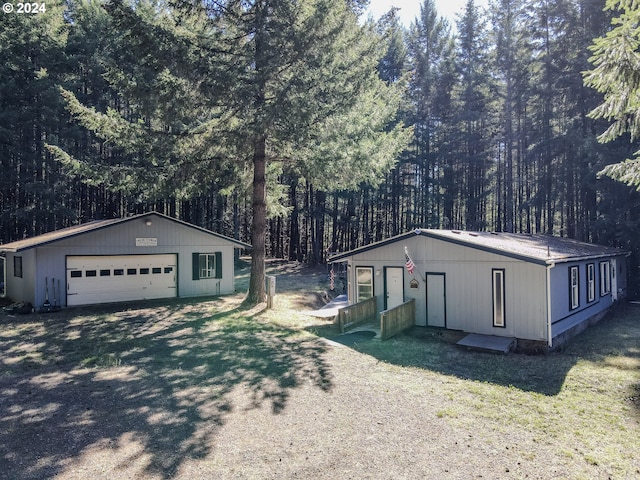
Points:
x=69 y=232
x=542 y=249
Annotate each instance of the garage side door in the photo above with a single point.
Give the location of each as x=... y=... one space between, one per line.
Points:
x=120 y=278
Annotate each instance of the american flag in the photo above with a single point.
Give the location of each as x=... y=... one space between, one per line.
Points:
x=408 y=262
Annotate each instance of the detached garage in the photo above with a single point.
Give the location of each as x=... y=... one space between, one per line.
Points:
x=141 y=257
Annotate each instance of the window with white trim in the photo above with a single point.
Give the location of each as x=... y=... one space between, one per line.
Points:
x=498 y=297
x=364 y=283
x=207 y=265
x=605 y=278
x=17 y=267
x=574 y=287
x=591 y=282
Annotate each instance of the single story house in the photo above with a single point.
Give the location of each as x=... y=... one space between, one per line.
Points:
x=538 y=289
x=125 y=259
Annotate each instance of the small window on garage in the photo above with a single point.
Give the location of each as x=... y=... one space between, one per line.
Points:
x=118 y=272
x=132 y=271
x=76 y=273
x=105 y=273
x=156 y=270
x=144 y=271
x=91 y=273
x=168 y=269
x=207 y=265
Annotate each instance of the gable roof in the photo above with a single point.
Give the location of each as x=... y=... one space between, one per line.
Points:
x=83 y=228
x=540 y=249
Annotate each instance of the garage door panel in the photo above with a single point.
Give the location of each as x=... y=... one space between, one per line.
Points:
x=104 y=279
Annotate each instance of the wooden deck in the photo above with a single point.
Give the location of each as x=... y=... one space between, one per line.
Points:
x=488 y=343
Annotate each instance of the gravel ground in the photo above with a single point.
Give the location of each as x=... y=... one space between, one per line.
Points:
x=168 y=392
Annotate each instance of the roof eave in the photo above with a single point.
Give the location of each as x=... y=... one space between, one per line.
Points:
x=237 y=243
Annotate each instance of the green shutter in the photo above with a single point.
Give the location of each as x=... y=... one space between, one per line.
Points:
x=195 y=265
x=218 y=264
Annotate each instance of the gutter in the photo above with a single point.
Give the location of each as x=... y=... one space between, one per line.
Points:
x=550 y=265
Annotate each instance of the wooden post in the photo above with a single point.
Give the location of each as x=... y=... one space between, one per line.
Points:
x=271 y=289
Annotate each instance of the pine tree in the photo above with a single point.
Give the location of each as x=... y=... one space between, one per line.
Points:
x=430 y=55
x=474 y=118
x=616 y=74
x=32 y=54
x=205 y=90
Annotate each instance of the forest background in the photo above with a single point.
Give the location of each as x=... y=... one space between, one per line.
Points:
x=495 y=117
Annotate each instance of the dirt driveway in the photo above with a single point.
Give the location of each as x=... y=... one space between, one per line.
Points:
x=208 y=391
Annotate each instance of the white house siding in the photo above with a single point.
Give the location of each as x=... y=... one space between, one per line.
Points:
x=21 y=287
x=468 y=277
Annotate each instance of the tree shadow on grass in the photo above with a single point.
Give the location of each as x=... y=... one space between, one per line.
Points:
x=614 y=337
x=163 y=380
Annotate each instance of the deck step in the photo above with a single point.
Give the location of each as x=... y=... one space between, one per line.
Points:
x=487 y=343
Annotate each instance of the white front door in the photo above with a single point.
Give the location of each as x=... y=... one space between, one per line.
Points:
x=436 y=303
x=394 y=286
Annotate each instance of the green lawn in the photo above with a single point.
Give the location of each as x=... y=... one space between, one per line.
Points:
x=207 y=389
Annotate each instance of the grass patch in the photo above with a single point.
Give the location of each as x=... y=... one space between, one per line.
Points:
x=584 y=398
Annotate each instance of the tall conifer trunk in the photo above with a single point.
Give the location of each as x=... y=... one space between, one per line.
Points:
x=256 y=292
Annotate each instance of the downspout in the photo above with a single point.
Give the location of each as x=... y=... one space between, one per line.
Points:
x=550 y=265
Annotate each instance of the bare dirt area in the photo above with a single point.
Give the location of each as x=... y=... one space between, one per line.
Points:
x=204 y=389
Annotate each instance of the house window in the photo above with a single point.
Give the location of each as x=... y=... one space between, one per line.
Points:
x=498 y=297
x=364 y=281
x=605 y=279
x=207 y=265
x=574 y=287
x=591 y=282
x=17 y=267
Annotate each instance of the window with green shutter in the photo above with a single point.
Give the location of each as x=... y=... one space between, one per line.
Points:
x=206 y=265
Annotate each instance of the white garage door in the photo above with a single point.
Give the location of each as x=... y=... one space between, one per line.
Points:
x=104 y=279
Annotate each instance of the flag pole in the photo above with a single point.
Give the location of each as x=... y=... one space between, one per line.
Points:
x=411 y=266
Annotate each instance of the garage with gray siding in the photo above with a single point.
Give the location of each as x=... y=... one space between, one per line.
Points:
x=535 y=288
x=126 y=259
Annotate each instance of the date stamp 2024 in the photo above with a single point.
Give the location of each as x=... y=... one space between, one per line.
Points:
x=25 y=8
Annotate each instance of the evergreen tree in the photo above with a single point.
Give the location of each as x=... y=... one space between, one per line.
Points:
x=474 y=119
x=32 y=62
x=430 y=54
x=616 y=74
x=205 y=89
x=512 y=59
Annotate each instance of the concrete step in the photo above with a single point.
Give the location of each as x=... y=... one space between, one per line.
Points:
x=488 y=343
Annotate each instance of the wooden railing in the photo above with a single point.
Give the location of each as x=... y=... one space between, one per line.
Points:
x=357 y=314
x=397 y=319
